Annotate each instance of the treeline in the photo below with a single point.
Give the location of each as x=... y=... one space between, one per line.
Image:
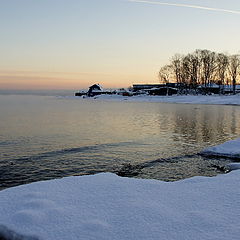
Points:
x=202 y=67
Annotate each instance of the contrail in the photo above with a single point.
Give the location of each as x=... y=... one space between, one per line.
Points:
x=187 y=6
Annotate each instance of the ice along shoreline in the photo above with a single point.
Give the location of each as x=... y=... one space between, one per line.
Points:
x=185 y=99
x=229 y=149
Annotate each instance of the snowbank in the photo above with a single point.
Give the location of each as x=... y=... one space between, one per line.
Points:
x=228 y=149
x=105 y=206
x=8 y=234
x=233 y=166
x=191 y=99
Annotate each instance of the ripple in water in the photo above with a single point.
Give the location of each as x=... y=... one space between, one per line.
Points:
x=46 y=137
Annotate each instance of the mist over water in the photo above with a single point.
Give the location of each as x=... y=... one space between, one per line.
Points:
x=46 y=137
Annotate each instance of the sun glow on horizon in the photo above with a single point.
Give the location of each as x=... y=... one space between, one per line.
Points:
x=30 y=80
x=73 y=44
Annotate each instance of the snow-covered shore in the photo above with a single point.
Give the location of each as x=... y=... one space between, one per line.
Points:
x=105 y=206
x=190 y=99
x=229 y=149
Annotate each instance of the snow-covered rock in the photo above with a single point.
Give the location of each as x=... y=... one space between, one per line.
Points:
x=106 y=206
x=233 y=166
x=228 y=149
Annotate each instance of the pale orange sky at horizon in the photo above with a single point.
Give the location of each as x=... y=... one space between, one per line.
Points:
x=116 y=43
x=29 y=80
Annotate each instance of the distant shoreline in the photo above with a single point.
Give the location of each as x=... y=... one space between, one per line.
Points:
x=231 y=100
x=215 y=99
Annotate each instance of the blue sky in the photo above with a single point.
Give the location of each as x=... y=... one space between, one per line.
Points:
x=74 y=43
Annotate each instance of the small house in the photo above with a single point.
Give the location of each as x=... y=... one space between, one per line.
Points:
x=94 y=90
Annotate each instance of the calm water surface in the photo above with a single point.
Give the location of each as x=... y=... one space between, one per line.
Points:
x=44 y=137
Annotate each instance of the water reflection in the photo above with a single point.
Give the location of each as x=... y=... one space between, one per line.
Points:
x=206 y=124
x=47 y=137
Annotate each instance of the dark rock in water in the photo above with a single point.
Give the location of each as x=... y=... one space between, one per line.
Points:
x=220 y=168
x=128 y=170
x=7 y=234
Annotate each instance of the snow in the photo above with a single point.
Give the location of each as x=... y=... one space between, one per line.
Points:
x=228 y=149
x=191 y=99
x=8 y=234
x=106 y=206
x=233 y=166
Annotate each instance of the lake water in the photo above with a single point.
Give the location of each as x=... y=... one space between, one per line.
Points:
x=46 y=137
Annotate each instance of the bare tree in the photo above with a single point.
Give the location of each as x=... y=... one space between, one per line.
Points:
x=221 y=67
x=185 y=71
x=191 y=65
x=165 y=73
x=202 y=67
x=234 y=67
x=222 y=63
x=208 y=65
x=176 y=64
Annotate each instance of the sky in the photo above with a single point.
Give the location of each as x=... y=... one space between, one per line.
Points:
x=71 y=44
